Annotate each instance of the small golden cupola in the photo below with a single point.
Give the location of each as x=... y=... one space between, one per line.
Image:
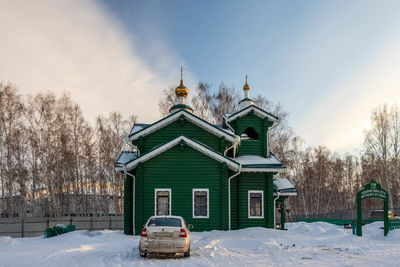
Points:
x=246 y=88
x=181 y=93
x=246 y=101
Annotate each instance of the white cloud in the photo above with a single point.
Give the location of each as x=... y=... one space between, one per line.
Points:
x=76 y=47
x=340 y=119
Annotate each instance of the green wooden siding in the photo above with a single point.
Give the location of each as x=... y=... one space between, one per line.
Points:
x=252 y=147
x=234 y=203
x=269 y=211
x=177 y=128
x=181 y=171
x=254 y=181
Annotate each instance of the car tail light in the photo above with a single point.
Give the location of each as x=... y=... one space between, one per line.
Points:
x=143 y=233
x=182 y=234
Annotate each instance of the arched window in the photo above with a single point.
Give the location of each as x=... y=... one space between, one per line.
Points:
x=249 y=134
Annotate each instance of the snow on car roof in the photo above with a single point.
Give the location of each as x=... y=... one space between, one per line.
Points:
x=166 y=216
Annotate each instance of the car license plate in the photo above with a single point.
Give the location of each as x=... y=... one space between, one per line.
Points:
x=163 y=234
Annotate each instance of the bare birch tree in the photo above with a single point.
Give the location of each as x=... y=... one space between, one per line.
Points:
x=377 y=141
x=201 y=101
x=224 y=101
x=395 y=140
x=167 y=100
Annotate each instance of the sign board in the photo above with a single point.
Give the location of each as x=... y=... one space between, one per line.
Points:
x=372 y=190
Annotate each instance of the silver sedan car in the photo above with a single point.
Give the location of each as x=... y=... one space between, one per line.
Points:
x=165 y=234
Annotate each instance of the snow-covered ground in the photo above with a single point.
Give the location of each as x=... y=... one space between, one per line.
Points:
x=304 y=244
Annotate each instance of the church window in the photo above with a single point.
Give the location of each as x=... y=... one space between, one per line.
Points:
x=162 y=202
x=249 y=134
x=256 y=204
x=200 y=203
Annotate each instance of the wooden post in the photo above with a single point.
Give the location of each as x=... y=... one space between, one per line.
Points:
x=264 y=138
x=110 y=224
x=283 y=217
x=22 y=228
x=139 y=203
x=269 y=201
x=222 y=145
x=91 y=224
x=224 y=220
x=48 y=223
x=385 y=215
x=128 y=205
x=70 y=221
x=359 y=214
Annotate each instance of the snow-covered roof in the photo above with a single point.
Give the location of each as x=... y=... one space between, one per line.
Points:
x=284 y=186
x=257 y=111
x=125 y=157
x=257 y=160
x=233 y=165
x=189 y=117
x=229 y=131
x=137 y=127
x=254 y=163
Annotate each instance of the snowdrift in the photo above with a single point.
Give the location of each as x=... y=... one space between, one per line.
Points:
x=303 y=244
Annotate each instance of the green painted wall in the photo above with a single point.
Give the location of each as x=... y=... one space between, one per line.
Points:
x=177 y=128
x=183 y=170
x=253 y=147
x=254 y=181
x=234 y=203
x=270 y=200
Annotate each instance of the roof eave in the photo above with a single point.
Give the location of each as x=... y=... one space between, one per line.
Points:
x=192 y=118
x=247 y=109
x=283 y=194
x=246 y=169
x=192 y=143
x=264 y=166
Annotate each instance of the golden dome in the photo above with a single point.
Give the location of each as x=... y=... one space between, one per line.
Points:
x=246 y=86
x=181 y=90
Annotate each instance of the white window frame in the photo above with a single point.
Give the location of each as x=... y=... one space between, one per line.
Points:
x=208 y=203
x=262 y=204
x=169 y=201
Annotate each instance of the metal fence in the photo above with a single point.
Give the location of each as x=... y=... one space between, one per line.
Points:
x=35 y=226
x=394 y=224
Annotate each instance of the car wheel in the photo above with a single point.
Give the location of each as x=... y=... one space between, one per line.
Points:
x=187 y=253
x=142 y=254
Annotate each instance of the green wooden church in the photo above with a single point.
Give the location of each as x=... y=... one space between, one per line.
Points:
x=217 y=177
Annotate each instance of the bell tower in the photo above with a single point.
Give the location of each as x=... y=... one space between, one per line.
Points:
x=246 y=101
x=181 y=93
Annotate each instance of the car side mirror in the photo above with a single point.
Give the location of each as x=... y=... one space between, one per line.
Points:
x=190 y=226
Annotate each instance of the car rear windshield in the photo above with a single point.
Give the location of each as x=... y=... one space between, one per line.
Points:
x=173 y=222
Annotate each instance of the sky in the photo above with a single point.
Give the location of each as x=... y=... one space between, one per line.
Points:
x=328 y=63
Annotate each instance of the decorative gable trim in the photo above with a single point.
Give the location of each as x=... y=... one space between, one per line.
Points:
x=233 y=165
x=257 y=111
x=191 y=118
